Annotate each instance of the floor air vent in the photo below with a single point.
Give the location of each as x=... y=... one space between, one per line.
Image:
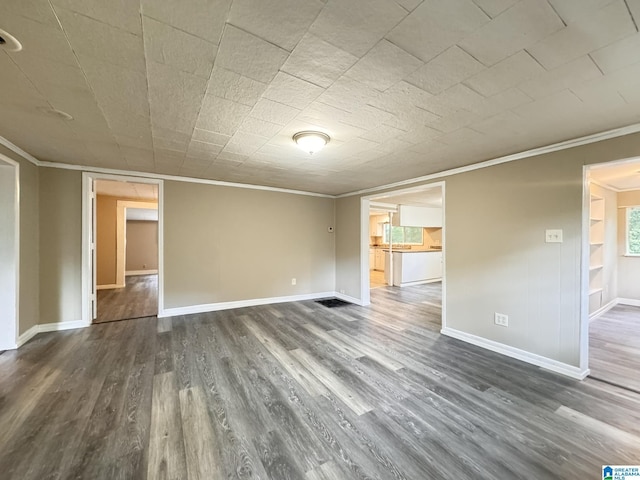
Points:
x=332 y=302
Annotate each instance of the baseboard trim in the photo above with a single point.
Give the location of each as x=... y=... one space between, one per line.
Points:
x=213 y=307
x=109 y=286
x=523 y=355
x=48 y=327
x=130 y=273
x=604 y=309
x=348 y=298
x=629 y=301
x=420 y=282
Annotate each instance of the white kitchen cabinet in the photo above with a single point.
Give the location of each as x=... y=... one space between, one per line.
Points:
x=411 y=216
x=416 y=267
x=372 y=259
x=376 y=225
x=379 y=259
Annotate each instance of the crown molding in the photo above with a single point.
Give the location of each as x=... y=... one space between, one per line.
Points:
x=576 y=142
x=606 y=186
x=16 y=149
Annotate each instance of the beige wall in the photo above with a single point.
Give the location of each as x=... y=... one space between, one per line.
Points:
x=106 y=250
x=142 y=245
x=628 y=267
x=210 y=249
x=29 y=243
x=60 y=245
x=496 y=258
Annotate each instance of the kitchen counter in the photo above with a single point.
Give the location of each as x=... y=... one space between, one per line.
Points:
x=414 y=251
x=422 y=267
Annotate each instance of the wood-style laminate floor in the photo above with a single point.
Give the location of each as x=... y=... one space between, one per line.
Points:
x=139 y=298
x=300 y=391
x=614 y=347
x=376 y=279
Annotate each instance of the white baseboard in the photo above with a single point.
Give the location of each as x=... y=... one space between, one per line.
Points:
x=604 y=309
x=629 y=301
x=528 y=357
x=48 y=327
x=348 y=298
x=212 y=307
x=419 y=282
x=109 y=286
x=129 y=273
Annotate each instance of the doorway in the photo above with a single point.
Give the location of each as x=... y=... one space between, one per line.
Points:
x=403 y=234
x=9 y=253
x=611 y=291
x=123 y=241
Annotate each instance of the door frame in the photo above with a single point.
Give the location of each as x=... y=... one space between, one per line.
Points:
x=13 y=322
x=88 y=227
x=365 y=291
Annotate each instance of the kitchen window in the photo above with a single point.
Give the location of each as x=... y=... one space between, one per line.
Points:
x=633 y=231
x=403 y=235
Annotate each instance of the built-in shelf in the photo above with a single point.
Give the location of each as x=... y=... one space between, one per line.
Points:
x=594 y=290
x=595 y=267
x=596 y=259
x=596 y=244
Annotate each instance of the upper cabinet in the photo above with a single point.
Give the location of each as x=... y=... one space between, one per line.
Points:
x=376 y=225
x=410 y=216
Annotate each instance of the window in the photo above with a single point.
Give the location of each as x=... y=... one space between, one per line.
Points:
x=633 y=231
x=403 y=235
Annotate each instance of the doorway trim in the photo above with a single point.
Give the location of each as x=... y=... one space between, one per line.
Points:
x=15 y=310
x=88 y=279
x=121 y=234
x=365 y=292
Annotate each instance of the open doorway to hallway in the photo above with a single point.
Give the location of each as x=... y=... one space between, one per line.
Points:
x=613 y=287
x=126 y=225
x=406 y=238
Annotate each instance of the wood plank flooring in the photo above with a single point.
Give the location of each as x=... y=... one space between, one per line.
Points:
x=139 y=298
x=614 y=347
x=300 y=391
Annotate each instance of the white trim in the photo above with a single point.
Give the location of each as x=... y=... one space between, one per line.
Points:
x=213 y=307
x=109 y=286
x=604 y=185
x=576 y=142
x=419 y=282
x=348 y=298
x=632 y=302
x=49 y=327
x=130 y=273
x=19 y=151
x=523 y=355
x=176 y=178
x=604 y=309
x=585 y=263
x=121 y=232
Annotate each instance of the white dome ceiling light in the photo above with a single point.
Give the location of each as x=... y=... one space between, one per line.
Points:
x=311 y=142
x=8 y=42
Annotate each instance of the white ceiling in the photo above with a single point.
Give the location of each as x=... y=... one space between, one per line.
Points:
x=132 y=191
x=216 y=88
x=619 y=176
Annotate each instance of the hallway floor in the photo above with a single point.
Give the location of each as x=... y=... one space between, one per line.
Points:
x=139 y=298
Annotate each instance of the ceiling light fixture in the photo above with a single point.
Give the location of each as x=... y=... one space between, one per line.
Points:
x=311 y=142
x=8 y=42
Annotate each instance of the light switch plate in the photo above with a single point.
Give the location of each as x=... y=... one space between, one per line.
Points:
x=553 y=236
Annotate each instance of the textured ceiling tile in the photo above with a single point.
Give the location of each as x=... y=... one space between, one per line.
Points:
x=210 y=137
x=450 y=67
x=179 y=50
x=274 y=112
x=383 y=66
x=47 y=41
x=493 y=8
x=368 y=117
x=419 y=134
x=382 y=133
x=619 y=54
x=103 y=42
x=409 y=5
x=233 y=86
x=455 y=121
x=318 y=61
x=566 y=76
x=454 y=98
x=44 y=73
x=126 y=141
x=38 y=10
x=357 y=25
x=124 y=14
x=123 y=122
x=249 y=55
x=436 y=25
x=259 y=127
x=244 y=144
x=572 y=10
x=176 y=146
x=607 y=88
x=502 y=122
x=196 y=146
x=348 y=94
x=634 y=7
x=282 y=22
x=174 y=97
x=556 y=105
x=504 y=75
x=292 y=91
x=505 y=100
x=221 y=115
x=590 y=33
x=517 y=28
x=203 y=18
x=116 y=87
x=462 y=137
x=321 y=112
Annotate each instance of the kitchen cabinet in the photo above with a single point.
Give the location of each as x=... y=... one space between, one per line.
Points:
x=376 y=225
x=411 y=216
x=379 y=260
x=372 y=259
x=411 y=268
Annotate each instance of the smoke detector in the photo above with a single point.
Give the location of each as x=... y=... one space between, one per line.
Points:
x=8 y=42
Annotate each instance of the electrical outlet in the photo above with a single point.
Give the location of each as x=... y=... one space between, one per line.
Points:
x=501 y=319
x=342 y=291
x=293 y=281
